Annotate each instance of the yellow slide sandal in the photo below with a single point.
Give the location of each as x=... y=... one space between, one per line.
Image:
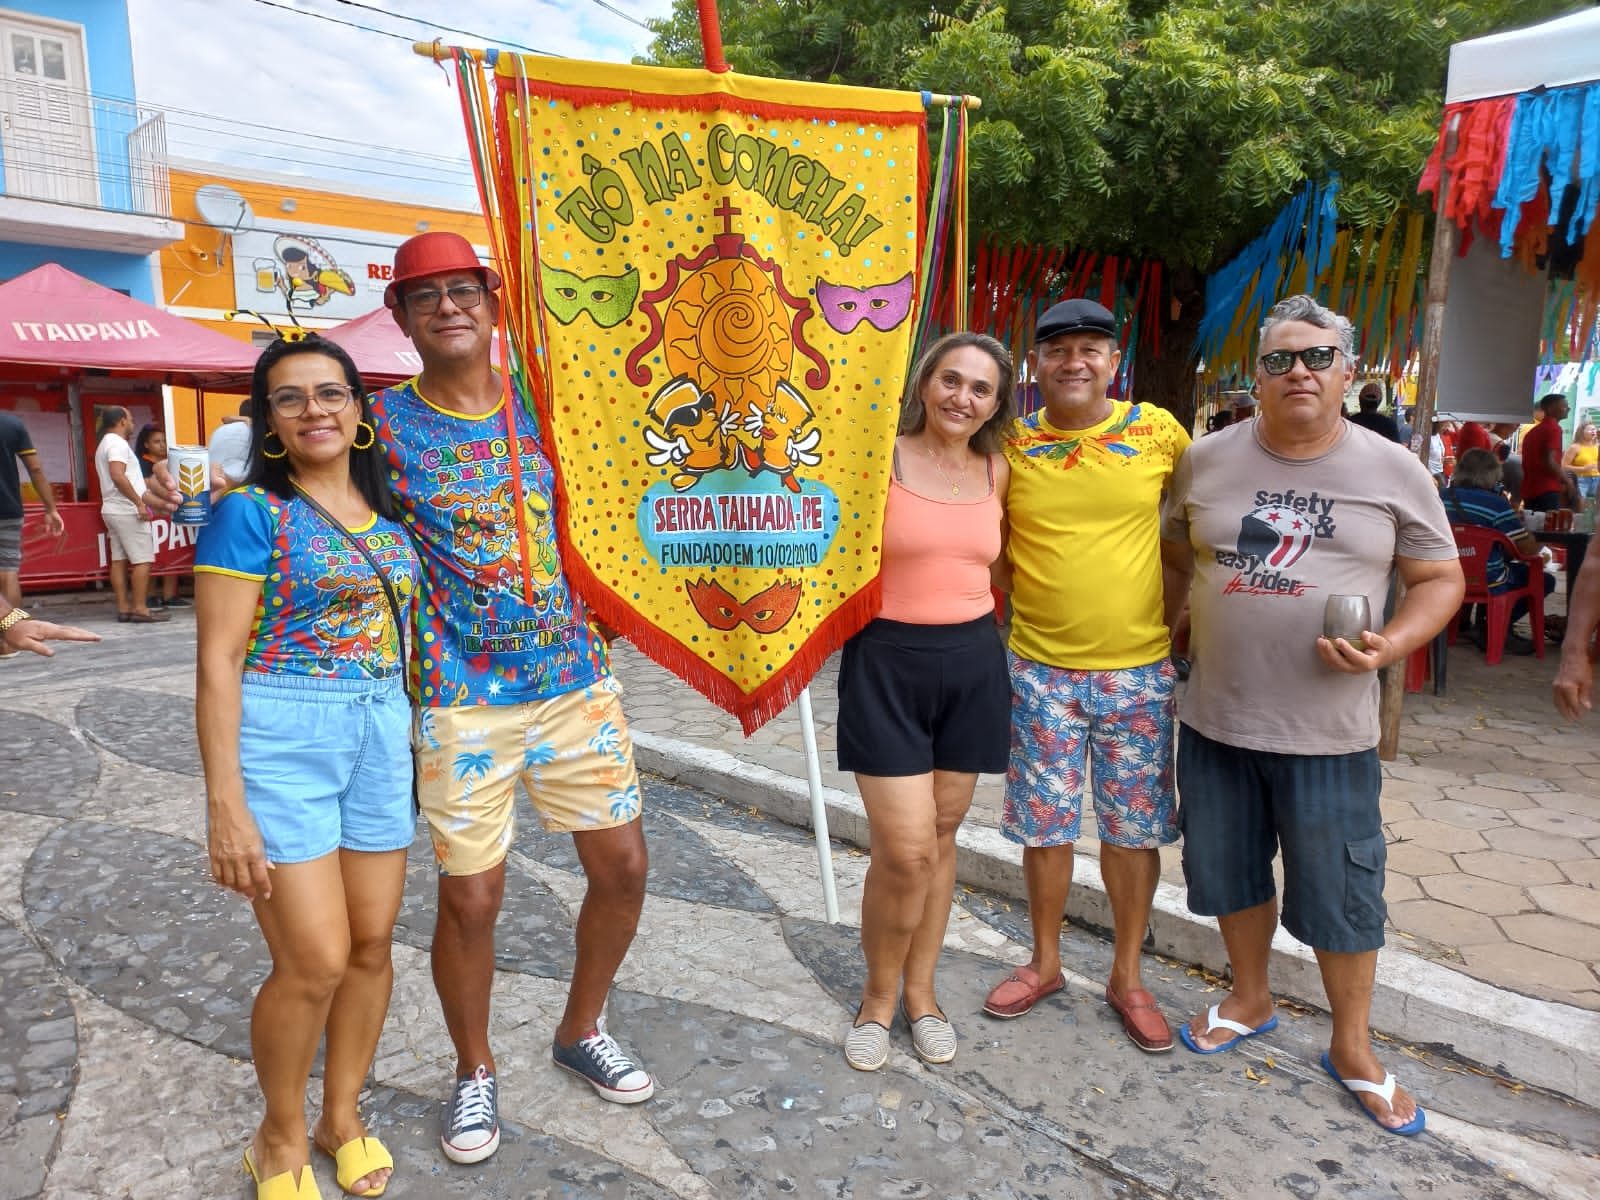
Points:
x=284 y=1186
x=359 y=1158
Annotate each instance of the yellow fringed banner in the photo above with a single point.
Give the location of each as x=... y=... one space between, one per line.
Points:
x=712 y=281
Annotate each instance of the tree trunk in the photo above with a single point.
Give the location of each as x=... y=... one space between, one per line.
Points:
x=1167 y=379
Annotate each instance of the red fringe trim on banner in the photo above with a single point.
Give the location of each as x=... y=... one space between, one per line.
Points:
x=594 y=97
x=754 y=709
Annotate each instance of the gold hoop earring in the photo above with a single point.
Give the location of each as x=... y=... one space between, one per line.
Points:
x=265 y=453
x=372 y=436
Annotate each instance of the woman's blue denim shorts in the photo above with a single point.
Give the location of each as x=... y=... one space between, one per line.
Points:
x=327 y=764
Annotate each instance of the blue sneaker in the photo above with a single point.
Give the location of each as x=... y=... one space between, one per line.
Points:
x=472 y=1132
x=599 y=1060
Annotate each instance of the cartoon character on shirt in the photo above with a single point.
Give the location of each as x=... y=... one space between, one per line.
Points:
x=355 y=625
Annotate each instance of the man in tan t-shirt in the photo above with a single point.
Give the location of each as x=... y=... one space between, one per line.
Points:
x=1277 y=745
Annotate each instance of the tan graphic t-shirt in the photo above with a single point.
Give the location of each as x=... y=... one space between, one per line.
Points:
x=1273 y=538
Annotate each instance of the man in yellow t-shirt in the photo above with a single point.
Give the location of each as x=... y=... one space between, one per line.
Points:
x=1091 y=674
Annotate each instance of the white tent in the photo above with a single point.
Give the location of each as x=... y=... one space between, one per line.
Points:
x=1490 y=345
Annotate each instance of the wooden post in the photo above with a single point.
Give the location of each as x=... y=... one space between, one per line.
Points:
x=1445 y=238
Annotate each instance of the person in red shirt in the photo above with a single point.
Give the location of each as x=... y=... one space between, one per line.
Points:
x=1472 y=436
x=1543 y=480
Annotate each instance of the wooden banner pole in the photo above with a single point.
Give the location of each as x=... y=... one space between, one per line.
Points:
x=1445 y=239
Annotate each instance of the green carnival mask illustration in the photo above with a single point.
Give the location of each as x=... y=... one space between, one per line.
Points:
x=607 y=298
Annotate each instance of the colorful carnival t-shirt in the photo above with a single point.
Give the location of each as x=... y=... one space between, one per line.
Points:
x=322 y=611
x=479 y=639
x=1084 y=513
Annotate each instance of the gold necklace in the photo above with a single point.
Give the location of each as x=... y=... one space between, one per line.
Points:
x=955 y=484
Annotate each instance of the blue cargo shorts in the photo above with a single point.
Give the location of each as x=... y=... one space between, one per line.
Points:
x=1239 y=807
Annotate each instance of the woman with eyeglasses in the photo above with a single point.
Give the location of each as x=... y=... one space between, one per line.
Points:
x=303 y=580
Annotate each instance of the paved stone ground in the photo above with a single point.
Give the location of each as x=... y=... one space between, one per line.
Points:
x=1492 y=811
x=126 y=980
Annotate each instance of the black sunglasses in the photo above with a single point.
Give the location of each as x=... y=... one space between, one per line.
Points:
x=1316 y=358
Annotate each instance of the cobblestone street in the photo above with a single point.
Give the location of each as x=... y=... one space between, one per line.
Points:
x=126 y=979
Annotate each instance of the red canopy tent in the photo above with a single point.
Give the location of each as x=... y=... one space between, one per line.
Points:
x=382 y=354
x=54 y=323
x=68 y=344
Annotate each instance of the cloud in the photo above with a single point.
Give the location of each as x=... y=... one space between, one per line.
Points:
x=257 y=86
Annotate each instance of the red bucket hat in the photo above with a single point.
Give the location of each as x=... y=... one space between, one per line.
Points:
x=436 y=253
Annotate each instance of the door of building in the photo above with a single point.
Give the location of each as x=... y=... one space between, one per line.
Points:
x=46 y=128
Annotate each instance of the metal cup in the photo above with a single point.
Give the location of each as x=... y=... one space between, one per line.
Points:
x=1347 y=617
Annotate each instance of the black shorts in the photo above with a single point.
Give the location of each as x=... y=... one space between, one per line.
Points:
x=921 y=698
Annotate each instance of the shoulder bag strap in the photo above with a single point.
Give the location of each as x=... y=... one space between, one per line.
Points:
x=388 y=589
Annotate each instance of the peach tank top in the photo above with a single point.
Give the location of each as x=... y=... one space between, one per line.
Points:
x=936 y=557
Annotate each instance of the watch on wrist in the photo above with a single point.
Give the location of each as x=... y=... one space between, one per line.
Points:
x=15 y=617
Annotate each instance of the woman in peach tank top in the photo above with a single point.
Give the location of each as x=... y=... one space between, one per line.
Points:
x=924 y=696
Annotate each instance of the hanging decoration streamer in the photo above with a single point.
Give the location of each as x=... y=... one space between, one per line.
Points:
x=1525 y=172
x=712 y=282
x=1013 y=285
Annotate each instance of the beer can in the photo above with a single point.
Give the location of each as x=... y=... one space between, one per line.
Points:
x=191 y=471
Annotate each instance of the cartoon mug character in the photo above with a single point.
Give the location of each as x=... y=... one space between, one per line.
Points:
x=695 y=436
x=780 y=445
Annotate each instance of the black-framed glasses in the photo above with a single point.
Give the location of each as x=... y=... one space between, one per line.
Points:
x=1316 y=358
x=330 y=397
x=463 y=295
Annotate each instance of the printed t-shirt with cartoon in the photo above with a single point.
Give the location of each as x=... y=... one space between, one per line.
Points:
x=1084 y=513
x=322 y=611
x=479 y=641
x=1273 y=538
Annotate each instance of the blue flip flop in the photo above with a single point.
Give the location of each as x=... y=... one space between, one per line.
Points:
x=1383 y=1091
x=1214 y=1021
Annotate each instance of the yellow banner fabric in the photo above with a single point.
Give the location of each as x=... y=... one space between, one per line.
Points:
x=723 y=297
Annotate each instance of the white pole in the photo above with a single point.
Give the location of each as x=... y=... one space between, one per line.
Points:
x=819 y=812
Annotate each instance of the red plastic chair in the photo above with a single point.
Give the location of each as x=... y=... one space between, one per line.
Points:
x=1474 y=543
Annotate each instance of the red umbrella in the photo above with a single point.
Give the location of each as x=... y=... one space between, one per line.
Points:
x=55 y=323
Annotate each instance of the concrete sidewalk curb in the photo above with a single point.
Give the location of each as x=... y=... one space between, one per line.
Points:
x=1539 y=1042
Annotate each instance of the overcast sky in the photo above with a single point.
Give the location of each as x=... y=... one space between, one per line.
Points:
x=247 y=82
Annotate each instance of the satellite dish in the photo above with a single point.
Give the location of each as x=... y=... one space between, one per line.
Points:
x=223 y=208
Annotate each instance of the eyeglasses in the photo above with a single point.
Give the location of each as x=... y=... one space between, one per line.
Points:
x=1316 y=358
x=462 y=295
x=330 y=397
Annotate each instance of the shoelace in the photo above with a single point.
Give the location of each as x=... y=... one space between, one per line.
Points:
x=474 y=1100
x=607 y=1053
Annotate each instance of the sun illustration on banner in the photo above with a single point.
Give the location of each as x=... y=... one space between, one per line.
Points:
x=728 y=330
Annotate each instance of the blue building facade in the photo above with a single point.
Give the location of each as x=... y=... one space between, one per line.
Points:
x=83 y=179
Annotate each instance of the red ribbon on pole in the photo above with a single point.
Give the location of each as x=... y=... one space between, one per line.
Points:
x=711 y=37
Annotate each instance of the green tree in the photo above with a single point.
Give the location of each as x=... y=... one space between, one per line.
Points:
x=1158 y=129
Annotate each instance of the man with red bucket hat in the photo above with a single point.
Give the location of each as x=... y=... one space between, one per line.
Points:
x=513 y=686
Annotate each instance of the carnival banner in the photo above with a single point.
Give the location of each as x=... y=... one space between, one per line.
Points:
x=712 y=282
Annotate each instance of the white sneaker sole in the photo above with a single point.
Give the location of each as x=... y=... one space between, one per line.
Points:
x=638 y=1096
x=457 y=1154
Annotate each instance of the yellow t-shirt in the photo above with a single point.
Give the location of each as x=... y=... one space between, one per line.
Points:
x=1084 y=511
x=1586 y=459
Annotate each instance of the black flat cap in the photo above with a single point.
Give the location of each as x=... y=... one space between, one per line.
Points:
x=1075 y=316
